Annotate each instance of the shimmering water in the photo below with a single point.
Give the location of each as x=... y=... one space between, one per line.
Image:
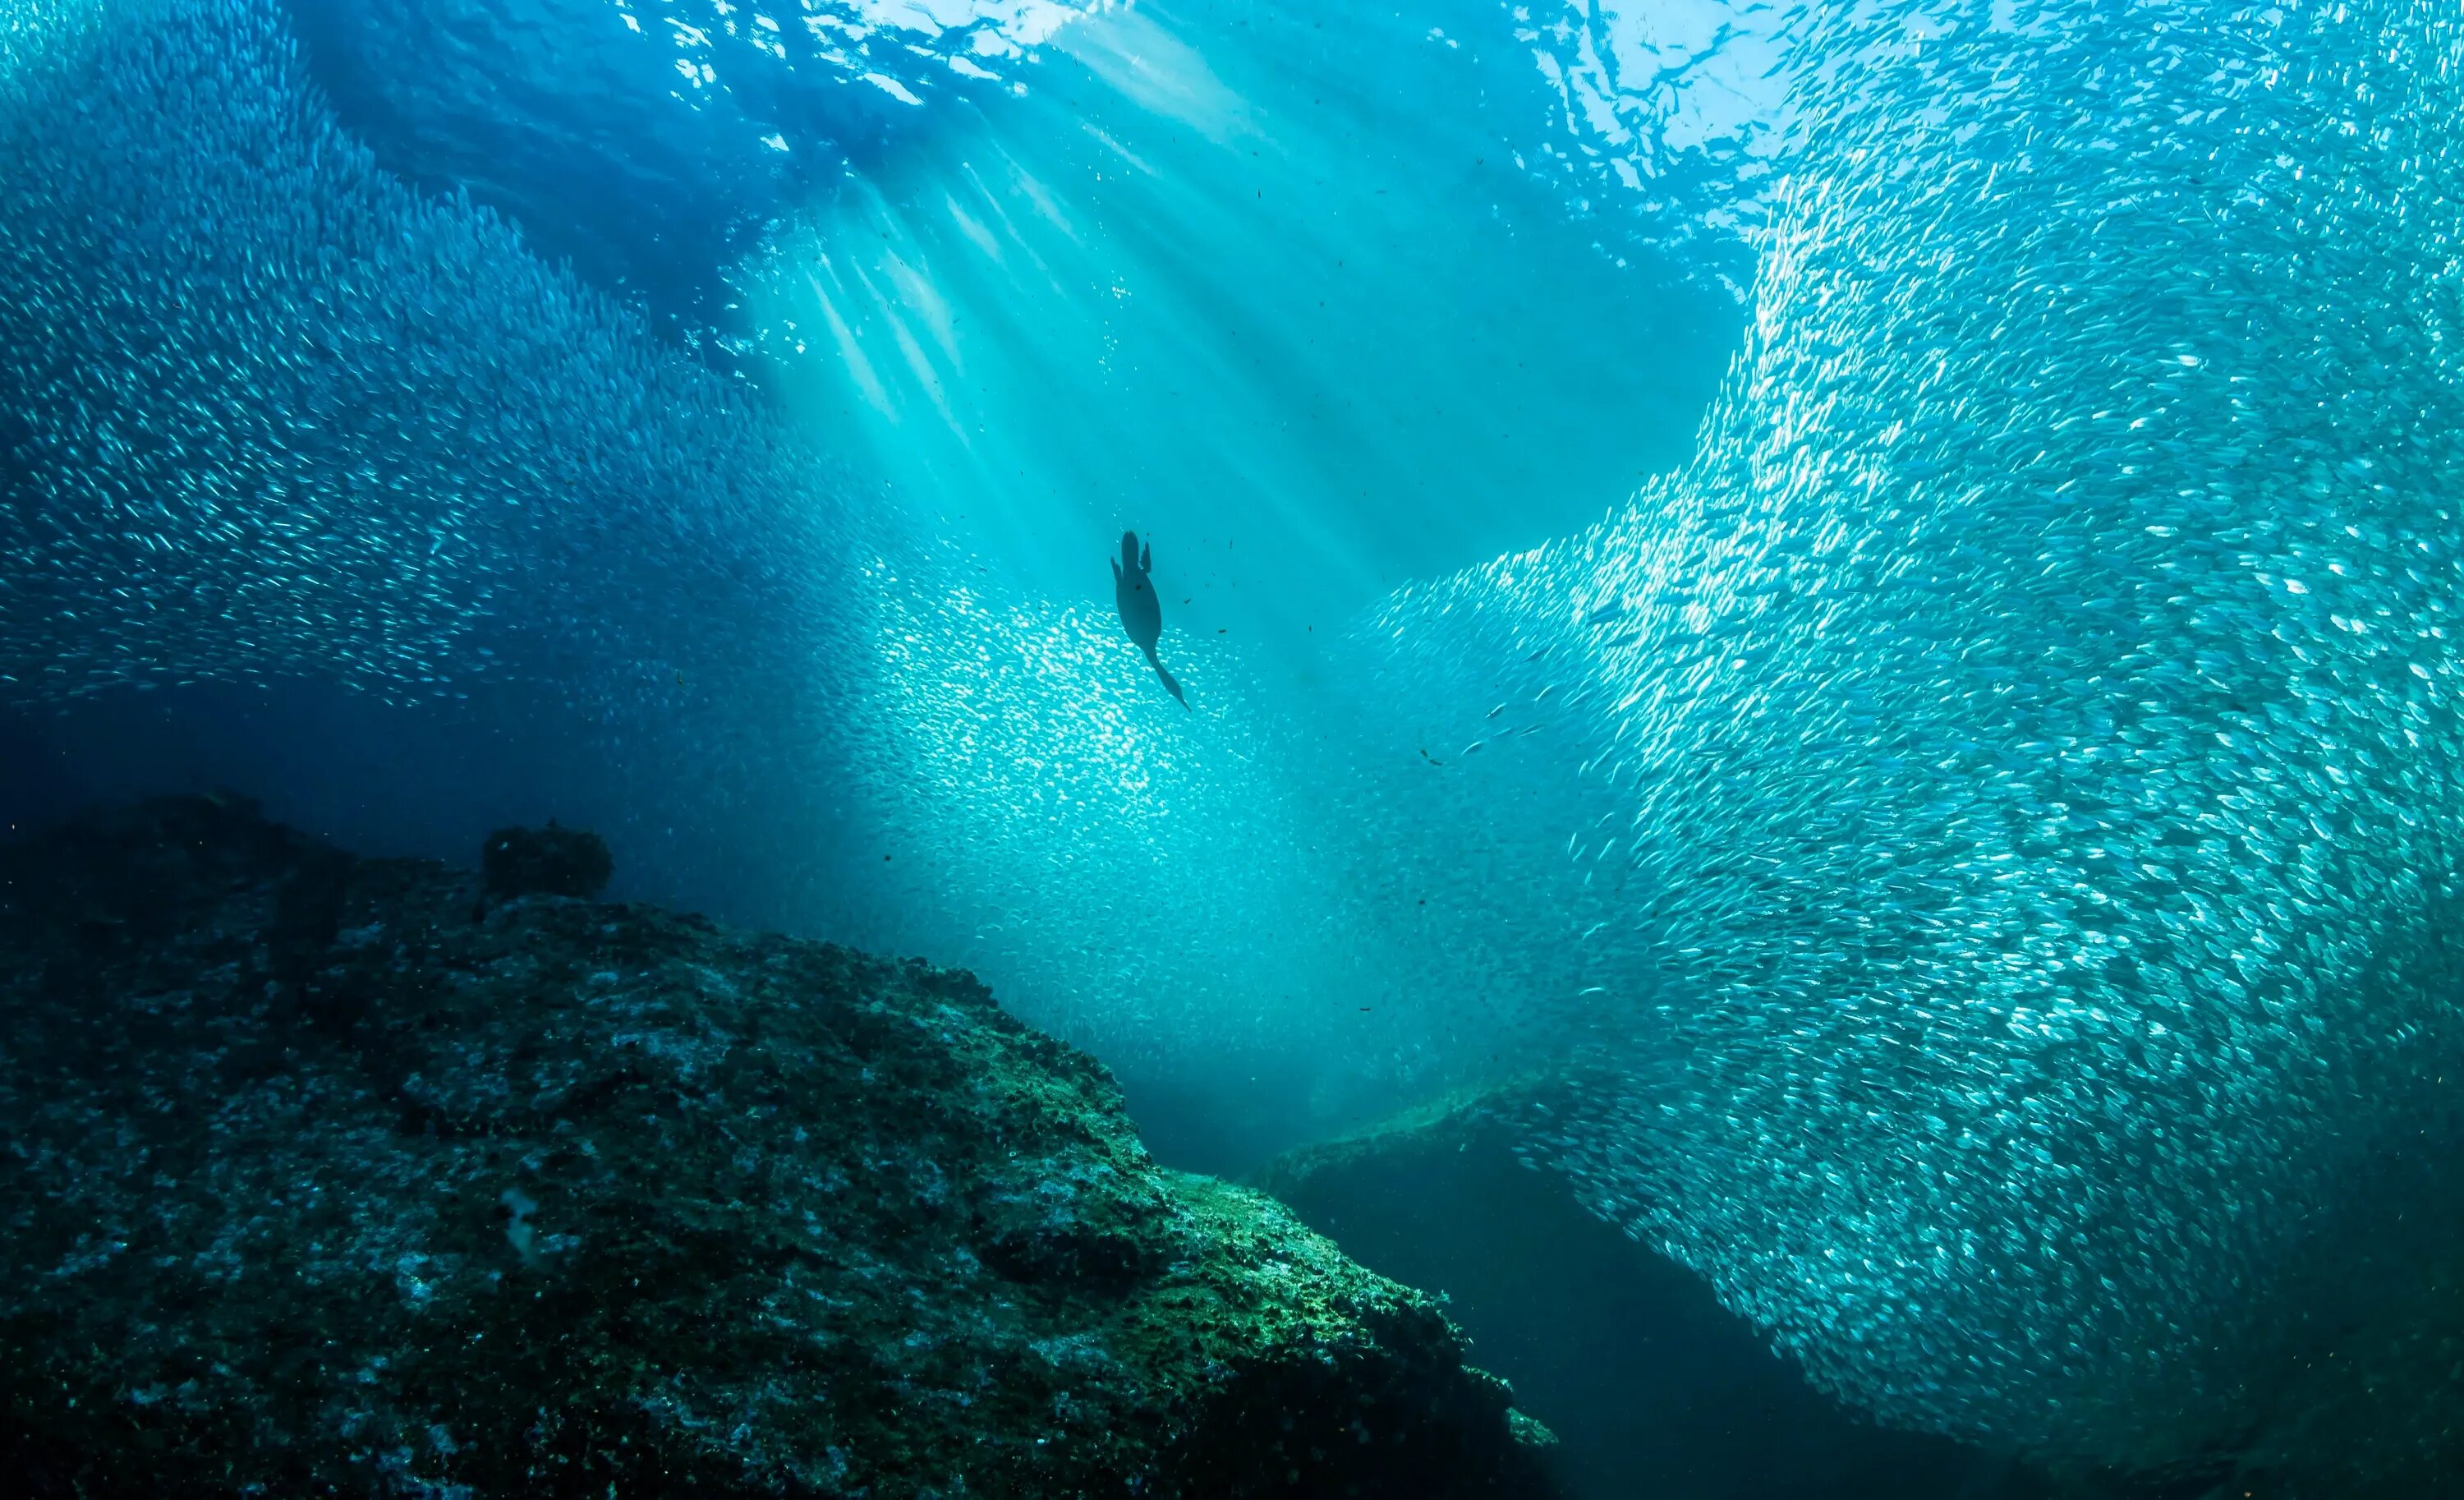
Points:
x=1870 y=583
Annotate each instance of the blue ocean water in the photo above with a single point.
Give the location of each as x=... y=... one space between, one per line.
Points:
x=1867 y=582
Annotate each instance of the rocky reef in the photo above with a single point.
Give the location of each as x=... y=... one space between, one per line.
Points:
x=1625 y=1352
x=322 y=1175
x=1630 y=1356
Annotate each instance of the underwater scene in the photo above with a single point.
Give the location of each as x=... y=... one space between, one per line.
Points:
x=1592 y=749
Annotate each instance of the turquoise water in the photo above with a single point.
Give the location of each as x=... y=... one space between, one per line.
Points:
x=1870 y=582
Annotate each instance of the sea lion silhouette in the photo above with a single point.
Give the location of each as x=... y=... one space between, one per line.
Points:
x=1141 y=611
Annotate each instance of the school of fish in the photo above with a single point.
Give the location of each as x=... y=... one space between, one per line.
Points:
x=273 y=414
x=2031 y=723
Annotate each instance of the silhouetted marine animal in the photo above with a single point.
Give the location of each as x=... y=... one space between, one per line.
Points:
x=1141 y=611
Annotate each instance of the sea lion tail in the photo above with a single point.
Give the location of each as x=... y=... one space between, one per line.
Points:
x=1169 y=684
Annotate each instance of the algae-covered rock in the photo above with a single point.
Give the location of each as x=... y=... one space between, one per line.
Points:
x=311 y=1181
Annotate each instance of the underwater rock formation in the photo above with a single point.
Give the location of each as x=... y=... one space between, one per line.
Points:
x=1640 y=1371
x=315 y=1181
x=549 y=861
x=1626 y=1355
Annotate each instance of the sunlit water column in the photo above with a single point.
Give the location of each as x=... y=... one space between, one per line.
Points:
x=1270 y=286
x=1291 y=293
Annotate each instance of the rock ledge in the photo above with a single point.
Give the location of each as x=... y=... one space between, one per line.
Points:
x=322 y=1176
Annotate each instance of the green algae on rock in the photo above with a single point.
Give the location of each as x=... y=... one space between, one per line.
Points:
x=314 y=1181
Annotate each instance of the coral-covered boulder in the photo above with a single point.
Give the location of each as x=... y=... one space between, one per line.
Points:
x=311 y=1181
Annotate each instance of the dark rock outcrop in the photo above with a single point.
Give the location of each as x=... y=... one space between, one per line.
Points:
x=549 y=861
x=311 y=1182
x=1649 y=1381
x=1628 y=1355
